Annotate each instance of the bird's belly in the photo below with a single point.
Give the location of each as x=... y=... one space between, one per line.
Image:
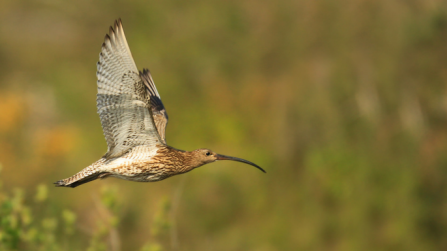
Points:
x=142 y=177
x=140 y=171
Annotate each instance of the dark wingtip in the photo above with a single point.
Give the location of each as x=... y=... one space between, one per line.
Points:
x=146 y=73
x=106 y=37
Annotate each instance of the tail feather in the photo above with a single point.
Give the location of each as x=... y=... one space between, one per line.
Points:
x=73 y=182
x=88 y=174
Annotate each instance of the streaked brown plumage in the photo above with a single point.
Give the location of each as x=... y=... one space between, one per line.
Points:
x=134 y=122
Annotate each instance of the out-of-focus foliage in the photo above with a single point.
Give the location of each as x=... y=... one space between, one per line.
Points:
x=19 y=226
x=36 y=226
x=344 y=103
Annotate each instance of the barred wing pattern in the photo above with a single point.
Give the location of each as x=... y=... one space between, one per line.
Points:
x=122 y=100
x=158 y=110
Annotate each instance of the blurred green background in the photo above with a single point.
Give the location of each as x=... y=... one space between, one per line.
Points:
x=344 y=103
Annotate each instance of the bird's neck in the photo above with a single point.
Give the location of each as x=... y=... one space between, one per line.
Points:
x=182 y=161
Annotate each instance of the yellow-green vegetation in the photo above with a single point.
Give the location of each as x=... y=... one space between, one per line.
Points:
x=25 y=227
x=344 y=103
x=30 y=224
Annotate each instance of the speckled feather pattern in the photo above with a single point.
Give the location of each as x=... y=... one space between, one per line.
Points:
x=139 y=164
x=159 y=113
x=122 y=100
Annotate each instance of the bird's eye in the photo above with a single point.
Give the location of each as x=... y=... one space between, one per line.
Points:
x=207 y=153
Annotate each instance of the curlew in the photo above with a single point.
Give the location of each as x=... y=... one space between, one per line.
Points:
x=134 y=120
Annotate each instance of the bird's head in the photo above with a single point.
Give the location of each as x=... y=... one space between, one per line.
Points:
x=204 y=156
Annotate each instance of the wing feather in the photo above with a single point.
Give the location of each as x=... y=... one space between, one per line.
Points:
x=122 y=100
x=159 y=113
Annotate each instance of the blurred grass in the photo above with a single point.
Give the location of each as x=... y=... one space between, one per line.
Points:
x=344 y=104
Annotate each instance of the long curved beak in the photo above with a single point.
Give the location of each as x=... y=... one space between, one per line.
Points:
x=224 y=157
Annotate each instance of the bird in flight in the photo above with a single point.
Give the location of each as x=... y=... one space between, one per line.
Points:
x=134 y=120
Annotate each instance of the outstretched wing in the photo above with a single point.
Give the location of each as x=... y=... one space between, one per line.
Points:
x=158 y=110
x=122 y=101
